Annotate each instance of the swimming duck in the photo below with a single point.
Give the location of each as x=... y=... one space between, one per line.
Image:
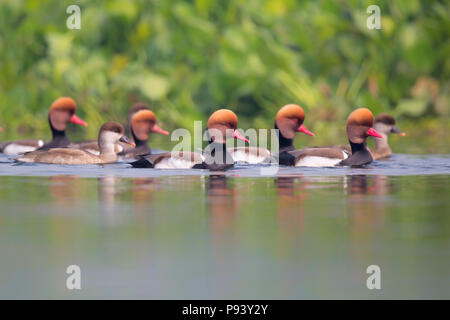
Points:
x=384 y=125
x=359 y=127
x=288 y=120
x=221 y=125
x=142 y=123
x=62 y=111
x=135 y=108
x=109 y=134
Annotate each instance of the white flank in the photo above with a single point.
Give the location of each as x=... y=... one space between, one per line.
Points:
x=175 y=163
x=315 y=161
x=14 y=148
x=241 y=156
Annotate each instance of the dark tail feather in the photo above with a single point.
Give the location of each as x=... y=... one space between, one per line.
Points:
x=142 y=163
x=2 y=145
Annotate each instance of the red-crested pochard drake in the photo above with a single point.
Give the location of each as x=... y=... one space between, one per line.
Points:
x=359 y=127
x=109 y=134
x=288 y=120
x=221 y=125
x=384 y=125
x=142 y=123
x=135 y=108
x=61 y=112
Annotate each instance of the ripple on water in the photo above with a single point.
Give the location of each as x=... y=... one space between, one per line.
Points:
x=397 y=165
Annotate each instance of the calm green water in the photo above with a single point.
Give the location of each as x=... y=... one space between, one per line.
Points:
x=201 y=236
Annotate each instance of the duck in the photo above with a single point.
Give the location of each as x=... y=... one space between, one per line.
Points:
x=384 y=125
x=359 y=126
x=142 y=121
x=288 y=120
x=222 y=124
x=109 y=134
x=91 y=146
x=62 y=111
x=136 y=108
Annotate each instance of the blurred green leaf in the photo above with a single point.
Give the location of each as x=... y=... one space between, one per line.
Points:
x=187 y=58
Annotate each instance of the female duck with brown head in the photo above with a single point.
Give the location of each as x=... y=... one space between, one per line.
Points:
x=359 y=127
x=109 y=134
x=221 y=125
x=384 y=125
x=62 y=111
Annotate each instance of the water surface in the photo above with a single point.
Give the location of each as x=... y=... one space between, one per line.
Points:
x=298 y=233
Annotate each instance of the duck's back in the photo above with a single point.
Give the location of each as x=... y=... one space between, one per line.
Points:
x=91 y=146
x=60 y=156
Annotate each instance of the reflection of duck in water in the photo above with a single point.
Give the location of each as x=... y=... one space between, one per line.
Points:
x=223 y=242
x=380 y=185
x=366 y=203
x=290 y=203
x=107 y=190
x=221 y=201
x=109 y=193
x=66 y=189
x=141 y=190
x=358 y=184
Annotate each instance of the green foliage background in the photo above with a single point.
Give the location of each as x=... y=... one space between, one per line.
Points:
x=186 y=58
